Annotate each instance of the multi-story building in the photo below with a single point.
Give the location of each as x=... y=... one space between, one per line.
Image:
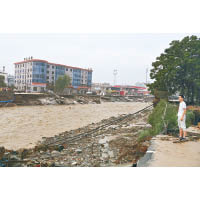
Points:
x=33 y=75
x=11 y=80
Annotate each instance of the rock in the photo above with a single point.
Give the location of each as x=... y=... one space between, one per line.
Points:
x=45 y=156
x=57 y=164
x=78 y=151
x=111 y=154
x=104 y=155
x=55 y=153
x=14 y=157
x=74 y=163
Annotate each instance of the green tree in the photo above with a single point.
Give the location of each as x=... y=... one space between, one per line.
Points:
x=2 y=81
x=50 y=86
x=178 y=69
x=62 y=83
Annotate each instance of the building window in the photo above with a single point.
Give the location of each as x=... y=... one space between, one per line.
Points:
x=34 y=88
x=66 y=69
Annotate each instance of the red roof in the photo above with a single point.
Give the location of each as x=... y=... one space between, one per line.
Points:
x=124 y=86
x=41 y=84
x=83 y=87
x=45 y=61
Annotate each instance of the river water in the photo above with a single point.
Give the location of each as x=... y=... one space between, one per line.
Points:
x=22 y=127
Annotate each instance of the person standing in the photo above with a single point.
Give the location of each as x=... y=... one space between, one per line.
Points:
x=182 y=118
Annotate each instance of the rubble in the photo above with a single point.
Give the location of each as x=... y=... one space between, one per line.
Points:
x=27 y=99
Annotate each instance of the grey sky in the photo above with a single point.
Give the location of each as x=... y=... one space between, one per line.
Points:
x=130 y=54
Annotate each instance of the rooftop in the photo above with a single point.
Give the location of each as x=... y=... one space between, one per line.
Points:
x=45 y=61
x=128 y=86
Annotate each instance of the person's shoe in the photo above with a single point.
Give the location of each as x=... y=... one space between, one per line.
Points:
x=180 y=138
x=184 y=139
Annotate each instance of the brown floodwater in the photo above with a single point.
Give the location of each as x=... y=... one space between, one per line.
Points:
x=23 y=126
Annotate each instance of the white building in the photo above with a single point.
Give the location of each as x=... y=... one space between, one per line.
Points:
x=33 y=75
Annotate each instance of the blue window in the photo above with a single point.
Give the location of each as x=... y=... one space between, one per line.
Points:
x=39 y=72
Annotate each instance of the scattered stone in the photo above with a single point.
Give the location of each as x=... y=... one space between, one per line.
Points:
x=78 y=151
x=55 y=153
x=74 y=163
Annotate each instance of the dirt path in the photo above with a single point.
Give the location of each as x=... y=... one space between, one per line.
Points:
x=169 y=154
x=22 y=127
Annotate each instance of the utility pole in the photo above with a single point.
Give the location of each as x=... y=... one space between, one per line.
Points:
x=115 y=76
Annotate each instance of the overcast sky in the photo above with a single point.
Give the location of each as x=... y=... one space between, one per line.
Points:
x=130 y=54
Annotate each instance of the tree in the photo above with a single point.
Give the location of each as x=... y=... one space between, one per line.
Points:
x=62 y=83
x=178 y=69
x=2 y=81
x=50 y=86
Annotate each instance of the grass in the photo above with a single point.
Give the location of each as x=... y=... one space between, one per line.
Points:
x=158 y=120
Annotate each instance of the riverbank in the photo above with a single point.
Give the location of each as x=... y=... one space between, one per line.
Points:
x=110 y=142
x=22 y=127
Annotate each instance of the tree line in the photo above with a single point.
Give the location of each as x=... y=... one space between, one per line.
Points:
x=177 y=70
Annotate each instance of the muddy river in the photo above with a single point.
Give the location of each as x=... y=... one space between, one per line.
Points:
x=22 y=127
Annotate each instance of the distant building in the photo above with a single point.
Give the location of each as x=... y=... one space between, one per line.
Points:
x=11 y=80
x=100 y=88
x=127 y=90
x=33 y=75
x=140 y=84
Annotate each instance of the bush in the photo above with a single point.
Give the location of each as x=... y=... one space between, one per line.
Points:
x=144 y=134
x=170 y=119
x=190 y=118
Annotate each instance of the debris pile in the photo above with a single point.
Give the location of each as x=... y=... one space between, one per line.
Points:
x=53 y=99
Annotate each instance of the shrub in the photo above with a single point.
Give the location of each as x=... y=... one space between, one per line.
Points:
x=190 y=118
x=170 y=119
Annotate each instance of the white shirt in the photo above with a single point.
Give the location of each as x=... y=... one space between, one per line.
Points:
x=181 y=108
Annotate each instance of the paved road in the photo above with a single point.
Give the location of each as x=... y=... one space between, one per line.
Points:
x=164 y=153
